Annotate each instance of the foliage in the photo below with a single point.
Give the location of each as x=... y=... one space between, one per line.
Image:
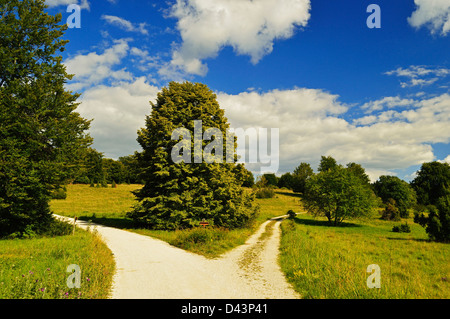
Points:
x=387 y=187
x=264 y=192
x=59 y=193
x=359 y=171
x=286 y=180
x=403 y=228
x=327 y=163
x=244 y=176
x=437 y=223
x=338 y=194
x=42 y=138
x=291 y=214
x=431 y=182
x=271 y=179
x=180 y=195
x=391 y=212
x=300 y=176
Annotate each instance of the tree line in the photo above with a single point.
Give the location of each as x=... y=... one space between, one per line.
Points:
x=341 y=193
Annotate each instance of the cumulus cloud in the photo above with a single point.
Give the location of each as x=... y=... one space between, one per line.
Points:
x=432 y=13
x=93 y=68
x=250 y=27
x=84 y=4
x=119 y=112
x=125 y=24
x=419 y=75
x=311 y=124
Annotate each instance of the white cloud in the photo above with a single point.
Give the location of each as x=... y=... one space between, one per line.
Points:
x=419 y=75
x=118 y=111
x=433 y=13
x=387 y=102
x=250 y=27
x=125 y=24
x=84 y=4
x=93 y=68
x=311 y=125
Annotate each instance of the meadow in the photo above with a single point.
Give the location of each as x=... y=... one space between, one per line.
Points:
x=36 y=268
x=320 y=261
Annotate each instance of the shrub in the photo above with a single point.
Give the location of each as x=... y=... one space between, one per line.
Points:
x=265 y=192
x=291 y=214
x=113 y=184
x=403 y=228
x=391 y=212
x=59 y=193
x=437 y=223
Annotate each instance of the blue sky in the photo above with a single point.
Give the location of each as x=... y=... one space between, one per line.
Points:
x=312 y=68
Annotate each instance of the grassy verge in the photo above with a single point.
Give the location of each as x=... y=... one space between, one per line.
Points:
x=108 y=206
x=328 y=262
x=36 y=268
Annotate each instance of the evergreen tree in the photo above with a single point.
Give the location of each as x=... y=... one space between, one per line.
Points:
x=41 y=135
x=180 y=194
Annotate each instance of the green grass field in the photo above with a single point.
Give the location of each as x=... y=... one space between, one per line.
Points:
x=331 y=262
x=36 y=268
x=320 y=261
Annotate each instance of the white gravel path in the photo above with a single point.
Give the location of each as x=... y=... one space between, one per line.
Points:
x=148 y=268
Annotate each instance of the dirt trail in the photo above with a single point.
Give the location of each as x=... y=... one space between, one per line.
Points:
x=149 y=268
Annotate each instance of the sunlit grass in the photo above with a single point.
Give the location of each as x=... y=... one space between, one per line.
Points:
x=331 y=262
x=36 y=268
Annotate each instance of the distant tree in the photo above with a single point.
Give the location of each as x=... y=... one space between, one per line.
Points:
x=42 y=138
x=338 y=194
x=359 y=171
x=327 y=163
x=431 y=182
x=300 y=176
x=179 y=195
x=271 y=179
x=114 y=171
x=132 y=169
x=392 y=187
x=286 y=180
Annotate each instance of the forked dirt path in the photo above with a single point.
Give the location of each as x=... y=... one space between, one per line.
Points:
x=148 y=268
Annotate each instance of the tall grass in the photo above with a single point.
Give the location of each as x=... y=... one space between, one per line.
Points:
x=328 y=262
x=36 y=268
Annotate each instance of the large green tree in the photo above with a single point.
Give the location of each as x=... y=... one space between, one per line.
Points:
x=180 y=194
x=431 y=182
x=338 y=194
x=41 y=135
x=391 y=187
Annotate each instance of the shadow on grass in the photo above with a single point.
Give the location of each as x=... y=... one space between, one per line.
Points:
x=121 y=223
x=323 y=223
x=280 y=192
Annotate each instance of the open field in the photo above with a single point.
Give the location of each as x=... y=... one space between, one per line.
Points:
x=36 y=268
x=108 y=206
x=331 y=262
x=320 y=261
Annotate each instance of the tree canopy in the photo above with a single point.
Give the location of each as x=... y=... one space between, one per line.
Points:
x=41 y=136
x=338 y=194
x=181 y=194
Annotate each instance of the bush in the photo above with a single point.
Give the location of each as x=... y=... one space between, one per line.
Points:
x=59 y=193
x=291 y=214
x=265 y=192
x=403 y=228
x=437 y=223
x=391 y=212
